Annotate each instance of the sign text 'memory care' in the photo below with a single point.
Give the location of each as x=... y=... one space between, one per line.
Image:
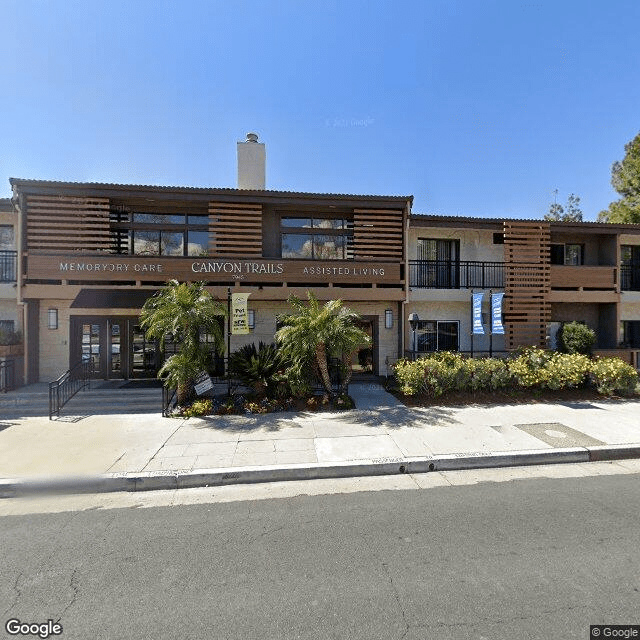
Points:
x=160 y=268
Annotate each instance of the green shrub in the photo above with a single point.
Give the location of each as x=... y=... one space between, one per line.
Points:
x=257 y=367
x=489 y=374
x=198 y=408
x=527 y=368
x=410 y=375
x=566 y=371
x=532 y=368
x=575 y=337
x=612 y=374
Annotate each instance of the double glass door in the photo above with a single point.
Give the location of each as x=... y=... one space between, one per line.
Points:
x=117 y=347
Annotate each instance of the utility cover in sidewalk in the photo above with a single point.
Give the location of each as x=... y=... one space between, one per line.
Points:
x=558 y=435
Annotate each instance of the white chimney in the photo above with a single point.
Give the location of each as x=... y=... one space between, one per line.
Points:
x=251 y=163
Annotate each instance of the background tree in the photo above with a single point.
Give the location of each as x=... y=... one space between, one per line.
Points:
x=625 y=179
x=181 y=312
x=314 y=331
x=570 y=213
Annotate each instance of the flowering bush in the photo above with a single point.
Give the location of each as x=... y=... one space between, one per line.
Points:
x=410 y=375
x=532 y=368
x=198 y=408
x=565 y=371
x=612 y=374
x=528 y=368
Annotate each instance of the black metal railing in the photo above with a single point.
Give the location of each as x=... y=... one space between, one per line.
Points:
x=67 y=385
x=630 y=277
x=7 y=376
x=8 y=264
x=456 y=274
x=169 y=399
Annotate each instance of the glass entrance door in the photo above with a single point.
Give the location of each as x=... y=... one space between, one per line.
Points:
x=115 y=365
x=364 y=360
x=143 y=354
x=92 y=348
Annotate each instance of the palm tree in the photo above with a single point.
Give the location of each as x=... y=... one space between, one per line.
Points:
x=315 y=331
x=183 y=311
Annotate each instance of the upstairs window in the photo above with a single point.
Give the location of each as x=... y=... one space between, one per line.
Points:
x=159 y=234
x=7 y=238
x=316 y=238
x=567 y=254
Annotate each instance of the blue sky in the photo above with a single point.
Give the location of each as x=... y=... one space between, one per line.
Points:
x=476 y=107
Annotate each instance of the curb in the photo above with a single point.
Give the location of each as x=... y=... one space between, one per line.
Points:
x=159 y=480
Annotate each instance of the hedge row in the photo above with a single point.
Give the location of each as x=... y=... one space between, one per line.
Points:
x=532 y=369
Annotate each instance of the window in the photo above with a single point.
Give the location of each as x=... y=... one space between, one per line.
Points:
x=7 y=326
x=567 y=254
x=436 y=335
x=316 y=238
x=631 y=333
x=159 y=234
x=7 y=238
x=630 y=254
x=498 y=238
x=438 y=264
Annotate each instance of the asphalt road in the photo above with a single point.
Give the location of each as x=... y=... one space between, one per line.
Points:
x=535 y=558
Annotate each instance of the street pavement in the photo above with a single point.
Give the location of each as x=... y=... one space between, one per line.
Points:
x=138 y=451
x=534 y=558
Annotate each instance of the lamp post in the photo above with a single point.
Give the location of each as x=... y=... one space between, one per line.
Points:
x=413 y=323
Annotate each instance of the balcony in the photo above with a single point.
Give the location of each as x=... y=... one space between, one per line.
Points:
x=584 y=277
x=597 y=284
x=452 y=274
x=630 y=277
x=8 y=262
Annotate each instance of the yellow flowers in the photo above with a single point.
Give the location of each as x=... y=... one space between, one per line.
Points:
x=533 y=368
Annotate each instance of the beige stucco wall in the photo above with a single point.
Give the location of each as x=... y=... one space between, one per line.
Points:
x=630 y=311
x=265 y=326
x=55 y=343
x=474 y=244
x=456 y=311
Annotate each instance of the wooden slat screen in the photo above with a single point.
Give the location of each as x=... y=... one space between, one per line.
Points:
x=527 y=309
x=378 y=234
x=67 y=223
x=235 y=230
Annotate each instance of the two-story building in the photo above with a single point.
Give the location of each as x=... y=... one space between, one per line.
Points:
x=93 y=253
x=548 y=272
x=80 y=259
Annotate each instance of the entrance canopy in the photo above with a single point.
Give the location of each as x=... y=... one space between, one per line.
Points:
x=110 y=299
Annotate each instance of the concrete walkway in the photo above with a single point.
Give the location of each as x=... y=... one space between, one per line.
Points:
x=142 y=451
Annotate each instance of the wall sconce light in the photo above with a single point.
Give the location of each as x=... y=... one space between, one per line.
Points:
x=251 y=319
x=52 y=319
x=388 y=319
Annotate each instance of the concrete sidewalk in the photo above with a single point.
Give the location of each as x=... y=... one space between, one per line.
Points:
x=144 y=451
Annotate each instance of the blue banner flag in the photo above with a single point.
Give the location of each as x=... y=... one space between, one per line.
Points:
x=476 y=301
x=496 y=313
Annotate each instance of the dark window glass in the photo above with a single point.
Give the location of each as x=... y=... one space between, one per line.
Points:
x=171 y=243
x=146 y=243
x=297 y=245
x=158 y=218
x=198 y=220
x=557 y=254
x=7 y=238
x=198 y=242
x=316 y=238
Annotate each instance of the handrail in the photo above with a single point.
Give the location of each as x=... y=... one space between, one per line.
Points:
x=456 y=274
x=630 y=277
x=168 y=394
x=7 y=376
x=67 y=385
